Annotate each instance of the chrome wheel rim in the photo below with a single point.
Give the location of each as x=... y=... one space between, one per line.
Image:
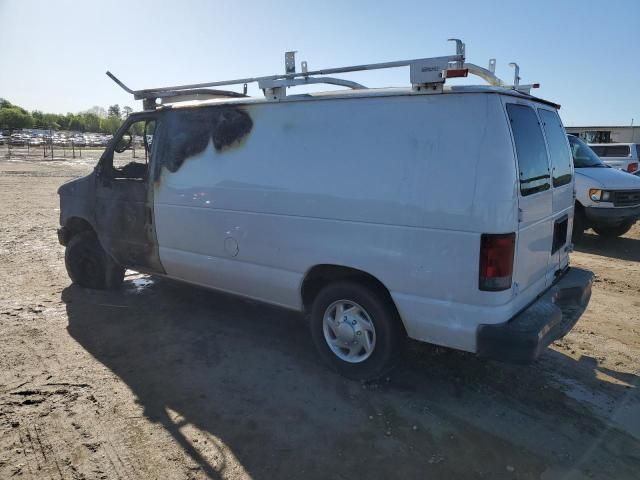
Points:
x=349 y=331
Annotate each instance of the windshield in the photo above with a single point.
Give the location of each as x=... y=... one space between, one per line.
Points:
x=583 y=156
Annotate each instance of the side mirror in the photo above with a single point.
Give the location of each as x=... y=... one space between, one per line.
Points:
x=124 y=142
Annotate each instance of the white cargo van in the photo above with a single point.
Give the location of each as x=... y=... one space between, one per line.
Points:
x=623 y=156
x=437 y=213
x=607 y=199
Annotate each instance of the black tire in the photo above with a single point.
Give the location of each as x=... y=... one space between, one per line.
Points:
x=612 y=232
x=89 y=266
x=388 y=330
x=579 y=225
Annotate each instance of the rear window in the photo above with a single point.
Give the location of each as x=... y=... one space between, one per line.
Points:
x=558 y=147
x=611 y=150
x=617 y=151
x=533 y=164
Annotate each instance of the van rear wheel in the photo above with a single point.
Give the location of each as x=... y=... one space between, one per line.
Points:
x=89 y=266
x=356 y=330
x=612 y=232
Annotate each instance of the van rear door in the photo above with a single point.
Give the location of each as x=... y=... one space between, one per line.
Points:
x=562 y=187
x=535 y=199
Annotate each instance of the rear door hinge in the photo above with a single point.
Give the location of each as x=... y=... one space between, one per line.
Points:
x=519 y=215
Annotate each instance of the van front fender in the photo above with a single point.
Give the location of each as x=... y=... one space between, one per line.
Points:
x=77 y=200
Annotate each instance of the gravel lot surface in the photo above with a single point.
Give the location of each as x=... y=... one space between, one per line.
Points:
x=161 y=380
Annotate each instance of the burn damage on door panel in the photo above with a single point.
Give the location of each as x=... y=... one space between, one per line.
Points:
x=122 y=214
x=187 y=132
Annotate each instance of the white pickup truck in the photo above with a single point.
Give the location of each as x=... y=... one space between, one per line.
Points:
x=607 y=199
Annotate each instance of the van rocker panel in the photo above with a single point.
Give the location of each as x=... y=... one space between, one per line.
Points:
x=523 y=338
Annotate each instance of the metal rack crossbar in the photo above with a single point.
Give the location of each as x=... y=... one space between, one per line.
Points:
x=425 y=73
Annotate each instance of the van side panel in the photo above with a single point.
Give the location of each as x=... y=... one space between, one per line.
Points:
x=400 y=187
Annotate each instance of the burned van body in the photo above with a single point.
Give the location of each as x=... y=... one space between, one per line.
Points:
x=441 y=214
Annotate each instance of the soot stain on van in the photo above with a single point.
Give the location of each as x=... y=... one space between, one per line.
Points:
x=187 y=132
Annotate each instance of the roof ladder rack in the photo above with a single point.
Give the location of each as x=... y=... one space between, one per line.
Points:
x=425 y=74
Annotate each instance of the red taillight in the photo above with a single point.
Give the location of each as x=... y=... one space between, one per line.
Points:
x=633 y=167
x=496 y=261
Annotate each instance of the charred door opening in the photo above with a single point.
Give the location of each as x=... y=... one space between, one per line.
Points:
x=124 y=198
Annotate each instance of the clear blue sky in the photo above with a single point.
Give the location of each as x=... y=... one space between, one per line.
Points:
x=586 y=54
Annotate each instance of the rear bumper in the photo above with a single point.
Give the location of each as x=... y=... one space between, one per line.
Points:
x=550 y=317
x=611 y=217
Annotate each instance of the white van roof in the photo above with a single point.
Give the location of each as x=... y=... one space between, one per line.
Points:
x=365 y=93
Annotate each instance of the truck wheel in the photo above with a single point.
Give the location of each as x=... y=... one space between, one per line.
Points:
x=579 y=225
x=612 y=232
x=356 y=330
x=89 y=266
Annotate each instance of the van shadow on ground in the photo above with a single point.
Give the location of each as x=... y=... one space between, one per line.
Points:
x=247 y=374
x=623 y=248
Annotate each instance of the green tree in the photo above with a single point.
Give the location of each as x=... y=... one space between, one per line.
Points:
x=114 y=111
x=51 y=120
x=110 y=124
x=98 y=110
x=38 y=119
x=63 y=121
x=7 y=104
x=75 y=123
x=90 y=121
x=94 y=119
x=15 y=117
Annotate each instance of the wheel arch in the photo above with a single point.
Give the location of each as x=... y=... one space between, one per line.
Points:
x=321 y=275
x=74 y=225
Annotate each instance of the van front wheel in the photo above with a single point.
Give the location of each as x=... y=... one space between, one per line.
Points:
x=356 y=330
x=579 y=225
x=612 y=232
x=89 y=266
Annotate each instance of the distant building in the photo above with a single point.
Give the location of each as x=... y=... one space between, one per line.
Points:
x=619 y=134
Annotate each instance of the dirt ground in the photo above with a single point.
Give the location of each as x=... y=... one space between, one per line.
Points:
x=166 y=381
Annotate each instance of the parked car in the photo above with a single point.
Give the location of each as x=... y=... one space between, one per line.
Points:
x=607 y=199
x=18 y=140
x=79 y=141
x=442 y=216
x=94 y=142
x=623 y=156
x=60 y=140
x=35 y=141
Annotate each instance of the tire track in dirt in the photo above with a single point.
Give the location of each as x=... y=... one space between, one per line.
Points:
x=46 y=445
x=27 y=458
x=35 y=450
